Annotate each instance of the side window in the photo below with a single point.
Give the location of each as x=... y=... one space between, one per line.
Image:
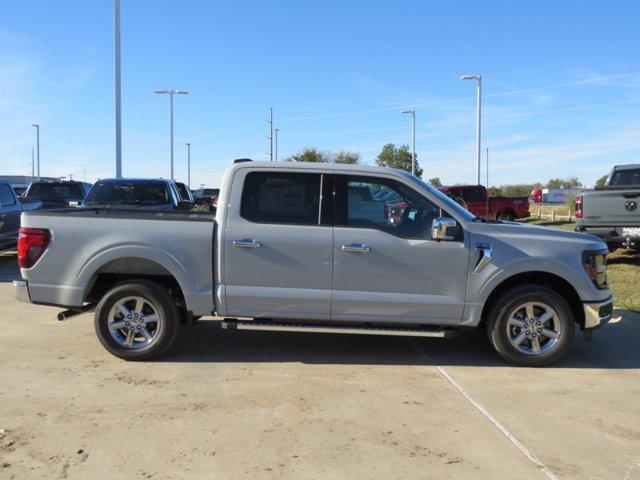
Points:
x=385 y=205
x=281 y=197
x=473 y=195
x=6 y=196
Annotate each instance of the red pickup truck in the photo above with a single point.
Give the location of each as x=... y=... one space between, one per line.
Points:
x=475 y=199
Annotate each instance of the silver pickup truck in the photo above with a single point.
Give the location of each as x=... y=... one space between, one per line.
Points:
x=611 y=212
x=317 y=248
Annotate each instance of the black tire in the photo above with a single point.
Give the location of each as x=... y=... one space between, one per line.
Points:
x=499 y=331
x=166 y=329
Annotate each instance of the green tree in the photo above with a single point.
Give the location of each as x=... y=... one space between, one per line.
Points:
x=572 y=182
x=400 y=158
x=309 y=155
x=435 y=182
x=344 y=156
x=601 y=181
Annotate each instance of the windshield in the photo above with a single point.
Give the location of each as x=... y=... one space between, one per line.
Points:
x=451 y=205
x=60 y=192
x=628 y=176
x=129 y=193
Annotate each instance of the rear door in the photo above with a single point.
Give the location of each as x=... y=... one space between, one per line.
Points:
x=386 y=267
x=278 y=245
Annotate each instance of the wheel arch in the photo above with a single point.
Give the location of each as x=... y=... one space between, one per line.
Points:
x=545 y=279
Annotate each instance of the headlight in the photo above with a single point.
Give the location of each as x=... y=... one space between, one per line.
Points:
x=595 y=264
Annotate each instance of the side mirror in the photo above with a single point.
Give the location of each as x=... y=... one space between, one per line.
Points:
x=444 y=228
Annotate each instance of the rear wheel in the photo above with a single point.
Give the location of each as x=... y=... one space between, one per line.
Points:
x=531 y=326
x=136 y=320
x=506 y=215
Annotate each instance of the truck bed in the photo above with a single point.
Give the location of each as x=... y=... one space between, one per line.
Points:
x=87 y=243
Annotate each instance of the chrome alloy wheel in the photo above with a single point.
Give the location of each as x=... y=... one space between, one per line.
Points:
x=134 y=322
x=533 y=328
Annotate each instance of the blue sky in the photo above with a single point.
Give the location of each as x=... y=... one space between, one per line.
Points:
x=561 y=84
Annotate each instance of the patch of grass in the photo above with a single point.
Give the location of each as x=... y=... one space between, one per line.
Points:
x=623 y=271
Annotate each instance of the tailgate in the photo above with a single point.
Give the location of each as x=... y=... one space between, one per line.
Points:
x=612 y=208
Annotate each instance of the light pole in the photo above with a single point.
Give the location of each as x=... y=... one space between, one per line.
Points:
x=116 y=31
x=413 y=139
x=189 y=166
x=479 y=79
x=33 y=163
x=276 y=151
x=37 y=148
x=171 y=93
x=270 y=122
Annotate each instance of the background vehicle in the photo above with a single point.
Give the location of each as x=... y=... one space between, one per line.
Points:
x=551 y=195
x=309 y=248
x=207 y=196
x=475 y=199
x=57 y=194
x=141 y=194
x=10 y=210
x=185 y=193
x=611 y=212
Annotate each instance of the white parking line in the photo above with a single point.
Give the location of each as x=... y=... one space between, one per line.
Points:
x=487 y=415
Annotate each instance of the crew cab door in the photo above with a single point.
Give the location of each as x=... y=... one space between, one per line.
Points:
x=278 y=245
x=10 y=210
x=386 y=267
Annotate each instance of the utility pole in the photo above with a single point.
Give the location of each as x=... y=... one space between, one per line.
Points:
x=116 y=28
x=413 y=139
x=487 y=182
x=189 y=166
x=277 y=130
x=270 y=137
x=171 y=93
x=37 y=148
x=33 y=162
x=478 y=114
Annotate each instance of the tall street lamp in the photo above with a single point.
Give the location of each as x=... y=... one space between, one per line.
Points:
x=171 y=93
x=189 y=166
x=479 y=79
x=117 y=92
x=276 y=139
x=37 y=148
x=413 y=139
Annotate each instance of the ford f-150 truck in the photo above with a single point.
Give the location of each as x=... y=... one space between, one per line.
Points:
x=476 y=199
x=10 y=210
x=611 y=212
x=298 y=247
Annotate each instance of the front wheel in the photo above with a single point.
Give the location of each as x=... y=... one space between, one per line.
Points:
x=136 y=320
x=531 y=326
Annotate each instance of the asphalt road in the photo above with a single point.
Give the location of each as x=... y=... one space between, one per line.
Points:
x=271 y=405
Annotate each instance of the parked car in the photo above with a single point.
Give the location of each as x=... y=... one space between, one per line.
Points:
x=136 y=193
x=298 y=248
x=551 y=195
x=185 y=193
x=10 y=210
x=57 y=194
x=475 y=198
x=207 y=196
x=611 y=212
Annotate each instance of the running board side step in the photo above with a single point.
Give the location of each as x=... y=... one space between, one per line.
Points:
x=229 y=324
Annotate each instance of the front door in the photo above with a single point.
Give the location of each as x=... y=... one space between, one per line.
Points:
x=278 y=245
x=386 y=267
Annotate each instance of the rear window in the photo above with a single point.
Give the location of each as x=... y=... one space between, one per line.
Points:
x=129 y=193
x=6 y=197
x=184 y=193
x=55 y=191
x=625 y=177
x=274 y=197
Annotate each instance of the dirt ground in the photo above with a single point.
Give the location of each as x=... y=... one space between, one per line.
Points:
x=271 y=405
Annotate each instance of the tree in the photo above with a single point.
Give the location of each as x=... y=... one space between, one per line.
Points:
x=435 y=182
x=572 y=182
x=344 y=156
x=399 y=158
x=309 y=155
x=601 y=181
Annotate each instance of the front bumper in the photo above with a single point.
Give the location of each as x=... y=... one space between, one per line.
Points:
x=597 y=313
x=21 y=291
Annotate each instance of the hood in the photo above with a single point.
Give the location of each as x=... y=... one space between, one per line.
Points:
x=524 y=233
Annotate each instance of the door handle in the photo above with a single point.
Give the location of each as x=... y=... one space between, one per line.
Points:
x=246 y=243
x=356 y=247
